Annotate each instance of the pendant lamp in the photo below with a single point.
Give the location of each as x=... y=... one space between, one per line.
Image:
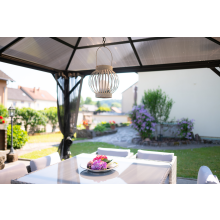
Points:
x=103 y=81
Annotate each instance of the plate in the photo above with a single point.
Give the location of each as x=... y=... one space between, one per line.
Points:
x=97 y=171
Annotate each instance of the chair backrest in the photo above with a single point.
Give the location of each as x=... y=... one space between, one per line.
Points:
x=113 y=152
x=205 y=176
x=150 y=155
x=11 y=173
x=43 y=162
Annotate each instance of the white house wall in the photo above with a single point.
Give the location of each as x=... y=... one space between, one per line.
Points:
x=195 y=93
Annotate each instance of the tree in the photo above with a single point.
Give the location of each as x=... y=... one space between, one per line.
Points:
x=88 y=101
x=98 y=104
x=31 y=117
x=51 y=114
x=3 y=111
x=116 y=104
x=158 y=103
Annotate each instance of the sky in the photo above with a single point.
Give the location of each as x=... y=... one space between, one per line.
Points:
x=33 y=78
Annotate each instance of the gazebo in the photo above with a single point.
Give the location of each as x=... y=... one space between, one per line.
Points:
x=70 y=59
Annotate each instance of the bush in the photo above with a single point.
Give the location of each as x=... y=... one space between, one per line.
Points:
x=3 y=111
x=80 y=127
x=20 y=137
x=99 y=128
x=105 y=124
x=104 y=109
x=51 y=114
x=158 y=104
x=185 y=127
x=142 y=121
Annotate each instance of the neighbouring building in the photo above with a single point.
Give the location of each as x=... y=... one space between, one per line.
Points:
x=3 y=87
x=194 y=91
x=17 y=98
x=128 y=97
x=30 y=97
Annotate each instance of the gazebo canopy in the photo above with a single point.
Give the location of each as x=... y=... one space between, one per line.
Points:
x=130 y=54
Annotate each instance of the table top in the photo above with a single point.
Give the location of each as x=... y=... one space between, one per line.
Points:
x=129 y=171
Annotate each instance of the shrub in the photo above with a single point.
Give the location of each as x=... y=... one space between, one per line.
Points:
x=142 y=121
x=3 y=111
x=104 y=109
x=51 y=114
x=99 y=128
x=105 y=124
x=20 y=137
x=158 y=104
x=31 y=117
x=80 y=127
x=185 y=127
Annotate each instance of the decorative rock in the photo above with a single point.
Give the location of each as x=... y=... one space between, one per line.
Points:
x=197 y=137
x=154 y=144
x=147 y=139
x=184 y=142
x=194 y=142
x=192 y=135
x=163 y=144
x=176 y=143
x=170 y=143
x=136 y=140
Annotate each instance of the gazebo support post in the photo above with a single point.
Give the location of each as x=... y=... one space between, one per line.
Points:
x=66 y=117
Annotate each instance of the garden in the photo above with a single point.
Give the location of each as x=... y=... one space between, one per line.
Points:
x=33 y=121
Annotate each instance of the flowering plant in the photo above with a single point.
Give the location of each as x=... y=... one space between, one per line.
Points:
x=112 y=122
x=185 y=127
x=100 y=162
x=2 y=121
x=142 y=121
x=85 y=123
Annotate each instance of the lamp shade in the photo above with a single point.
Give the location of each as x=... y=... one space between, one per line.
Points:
x=11 y=111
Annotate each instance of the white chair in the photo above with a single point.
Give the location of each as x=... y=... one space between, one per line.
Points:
x=205 y=176
x=43 y=162
x=114 y=152
x=161 y=156
x=11 y=173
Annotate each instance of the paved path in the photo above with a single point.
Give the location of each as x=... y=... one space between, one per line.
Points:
x=125 y=135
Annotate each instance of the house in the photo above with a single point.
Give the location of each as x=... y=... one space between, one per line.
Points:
x=3 y=87
x=31 y=97
x=194 y=91
x=17 y=98
x=128 y=97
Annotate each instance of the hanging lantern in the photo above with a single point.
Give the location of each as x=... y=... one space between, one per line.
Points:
x=103 y=81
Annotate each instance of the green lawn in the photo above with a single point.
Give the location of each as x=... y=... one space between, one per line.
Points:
x=188 y=161
x=48 y=138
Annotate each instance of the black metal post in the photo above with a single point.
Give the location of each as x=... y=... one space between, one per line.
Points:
x=11 y=149
x=66 y=117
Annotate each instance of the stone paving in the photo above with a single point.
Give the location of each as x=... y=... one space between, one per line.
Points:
x=124 y=136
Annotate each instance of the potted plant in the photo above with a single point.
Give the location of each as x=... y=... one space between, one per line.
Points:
x=112 y=124
x=2 y=123
x=86 y=124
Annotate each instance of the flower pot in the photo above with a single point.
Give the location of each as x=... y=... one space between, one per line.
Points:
x=112 y=127
x=87 y=127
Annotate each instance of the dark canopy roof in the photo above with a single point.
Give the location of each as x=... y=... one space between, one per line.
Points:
x=130 y=54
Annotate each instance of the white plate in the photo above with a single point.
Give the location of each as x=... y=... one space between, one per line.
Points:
x=84 y=166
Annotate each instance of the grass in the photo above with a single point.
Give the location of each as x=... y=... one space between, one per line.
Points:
x=188 y=161
x=57 y=137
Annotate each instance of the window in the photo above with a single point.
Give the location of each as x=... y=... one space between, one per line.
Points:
x=14 y=104
x=22 y=102
x=29 y=104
